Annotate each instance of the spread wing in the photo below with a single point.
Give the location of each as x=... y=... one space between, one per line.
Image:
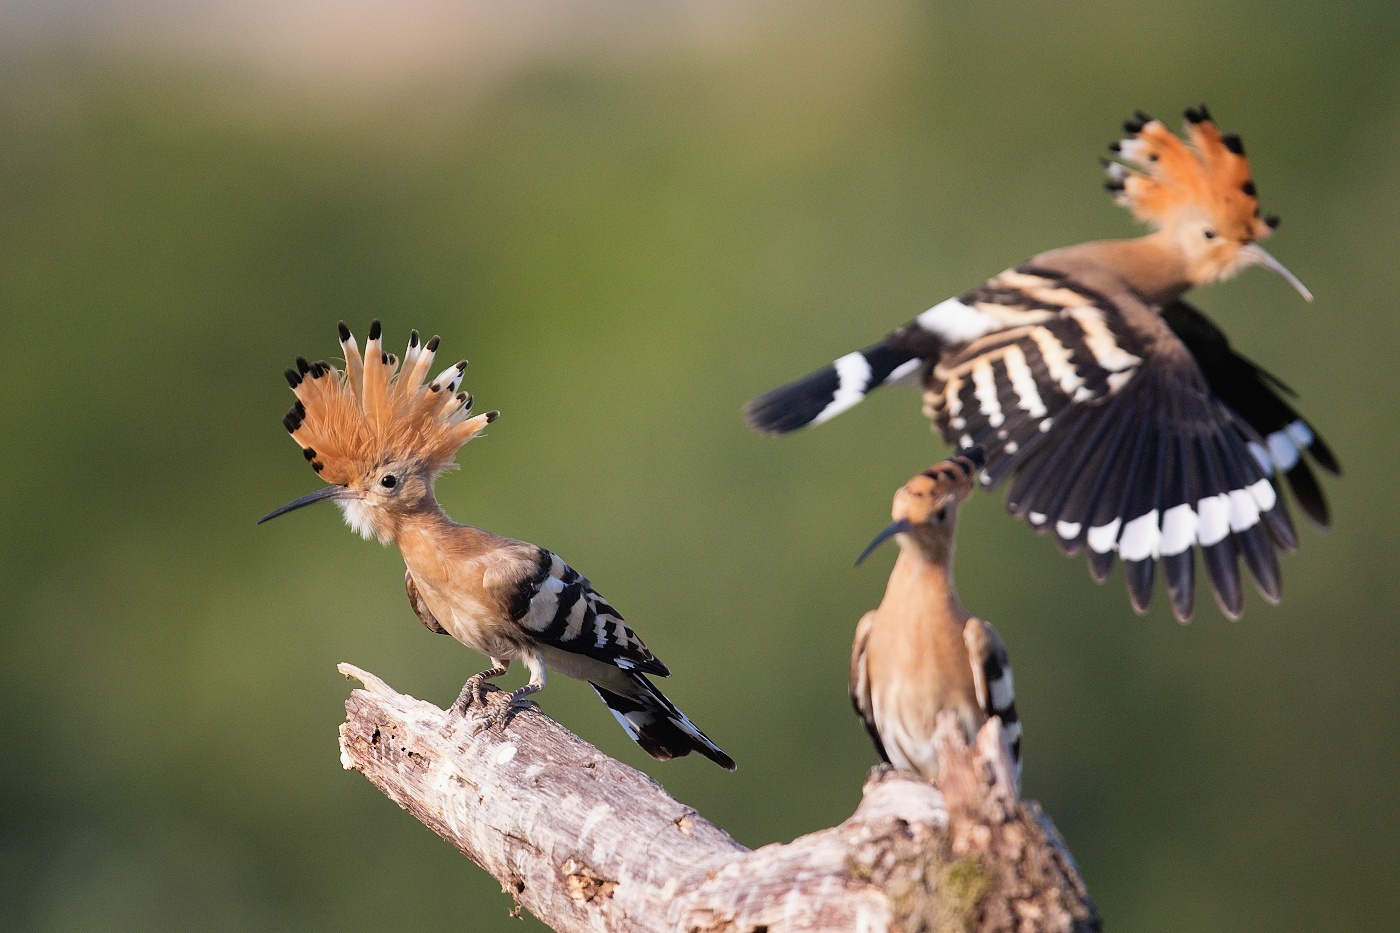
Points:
x=1115 y=440
x=1258 y=397
x=1130 y=433
x=554 y=604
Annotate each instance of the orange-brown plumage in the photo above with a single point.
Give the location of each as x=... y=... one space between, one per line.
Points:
x=1197 y=192
x=354 y=421
x=380 y=437
x=920 y=653
x=1169 y=176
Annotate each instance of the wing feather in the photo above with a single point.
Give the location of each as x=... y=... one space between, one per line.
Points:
x=1133 y=437
x=554 y=604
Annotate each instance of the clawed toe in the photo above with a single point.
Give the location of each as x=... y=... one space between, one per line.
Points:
x=491 y=719
x=502 y=716
x=475 y=690
x=474 y=693
x=471 y=693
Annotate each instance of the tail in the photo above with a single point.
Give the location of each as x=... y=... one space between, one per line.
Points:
x=897 y=360
x=657 y=726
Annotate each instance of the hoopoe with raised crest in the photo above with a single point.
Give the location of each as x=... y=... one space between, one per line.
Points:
x=1129 y=424
x=380 y=438
x=920 y=653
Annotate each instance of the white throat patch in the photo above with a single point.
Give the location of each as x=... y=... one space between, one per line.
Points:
x=360 y=517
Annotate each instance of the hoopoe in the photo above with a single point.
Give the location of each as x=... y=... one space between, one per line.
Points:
x=1130 y=425
x=920 y=653
x=381 y=438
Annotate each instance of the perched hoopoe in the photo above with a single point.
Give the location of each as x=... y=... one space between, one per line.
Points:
x=920 y=653
x=1129 y=423
x=380 y=437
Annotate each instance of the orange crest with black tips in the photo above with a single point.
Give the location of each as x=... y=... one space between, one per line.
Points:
x=348 y=422
x=1164 y=179
x=948 y=482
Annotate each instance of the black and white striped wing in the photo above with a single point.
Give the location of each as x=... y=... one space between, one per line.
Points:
x=1258 y=397
x=1009 y=301
x=1059 y=347
x=553 y=603
x=822 y=395
x=991 y=678
x=1116 y=443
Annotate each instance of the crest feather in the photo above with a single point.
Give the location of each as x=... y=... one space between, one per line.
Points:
x=1162 y=178
x=377 y=409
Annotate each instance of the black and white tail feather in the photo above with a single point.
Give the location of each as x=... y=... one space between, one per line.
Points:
x=654 y=723
x=1119 y=443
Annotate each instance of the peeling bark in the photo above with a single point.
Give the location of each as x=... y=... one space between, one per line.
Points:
x=585 y=842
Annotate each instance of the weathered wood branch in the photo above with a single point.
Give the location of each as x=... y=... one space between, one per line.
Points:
x=585 y=842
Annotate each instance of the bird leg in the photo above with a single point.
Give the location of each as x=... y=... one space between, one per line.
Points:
x=502 y=715
x=474 y=690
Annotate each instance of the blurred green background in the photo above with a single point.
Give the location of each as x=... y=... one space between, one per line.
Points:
x=632 y=217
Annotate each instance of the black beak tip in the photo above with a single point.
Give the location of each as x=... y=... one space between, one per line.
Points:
x=320 y=495
x=892 y=529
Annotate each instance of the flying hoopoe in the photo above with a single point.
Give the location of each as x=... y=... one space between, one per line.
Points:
x=381 y=438
x=920 y=653
x=1128 y=422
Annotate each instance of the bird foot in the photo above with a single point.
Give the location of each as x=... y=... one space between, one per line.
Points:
x=475 y=690
x=500 y=715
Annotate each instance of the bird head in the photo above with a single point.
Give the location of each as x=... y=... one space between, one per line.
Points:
x=926 y=508
x=1198 y=192
x=376 y=433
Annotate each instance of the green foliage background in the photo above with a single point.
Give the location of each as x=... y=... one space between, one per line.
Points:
x=628 y=244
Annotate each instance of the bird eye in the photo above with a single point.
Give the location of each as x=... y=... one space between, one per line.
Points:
x=941 y=514
x=389 y=481
x=1208 y=234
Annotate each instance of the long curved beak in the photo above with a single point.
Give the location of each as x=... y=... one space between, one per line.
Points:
x=311 y=498
x=892 y=529
x=1256 y=255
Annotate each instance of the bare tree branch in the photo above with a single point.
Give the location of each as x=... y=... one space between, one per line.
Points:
x=585 y=842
